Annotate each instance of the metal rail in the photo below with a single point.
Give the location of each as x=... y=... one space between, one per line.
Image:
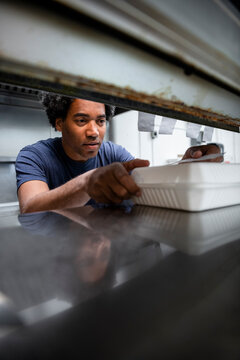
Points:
x=57 y=49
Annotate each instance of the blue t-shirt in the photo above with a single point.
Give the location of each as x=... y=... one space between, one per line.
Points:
x=47 y=161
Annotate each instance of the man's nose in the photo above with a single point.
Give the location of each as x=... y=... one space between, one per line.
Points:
x=92 y=129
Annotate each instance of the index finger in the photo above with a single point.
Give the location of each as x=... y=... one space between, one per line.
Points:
x=132 y=164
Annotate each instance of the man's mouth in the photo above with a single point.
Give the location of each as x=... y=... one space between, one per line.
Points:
x=91 y=145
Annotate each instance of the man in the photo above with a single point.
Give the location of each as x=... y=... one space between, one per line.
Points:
x=70 y=171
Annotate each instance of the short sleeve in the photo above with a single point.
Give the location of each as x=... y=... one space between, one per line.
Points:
x=122 y=154
x=29 y=166
x=118 y=153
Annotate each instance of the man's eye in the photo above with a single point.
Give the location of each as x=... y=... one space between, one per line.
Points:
x=81 y=121
x=101 y=122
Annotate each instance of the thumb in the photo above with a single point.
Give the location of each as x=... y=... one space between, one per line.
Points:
x=132 y=164
x=196 y=154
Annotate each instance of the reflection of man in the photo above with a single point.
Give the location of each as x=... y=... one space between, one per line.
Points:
x=87 y=250
x=93 y=258
x=69 y=171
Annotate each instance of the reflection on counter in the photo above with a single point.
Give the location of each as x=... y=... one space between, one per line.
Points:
x=52 y=262
x=55 y=260
x=192 y=233
x=120 y=281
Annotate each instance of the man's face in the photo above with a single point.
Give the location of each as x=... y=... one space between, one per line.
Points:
x=83 y=129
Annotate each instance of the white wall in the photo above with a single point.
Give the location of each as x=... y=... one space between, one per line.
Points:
x=20 y=126
x=231 y=142
x=159 y=151
x=165 y=148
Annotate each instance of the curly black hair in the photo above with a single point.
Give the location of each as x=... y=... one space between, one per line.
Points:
x=57 y=106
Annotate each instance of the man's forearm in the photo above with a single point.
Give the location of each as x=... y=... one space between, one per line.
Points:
x=71 y=194
x=107 y=184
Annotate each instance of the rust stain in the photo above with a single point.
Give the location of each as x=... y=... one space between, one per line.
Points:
x=174 y=105
x=42 y=63
x=70 y=85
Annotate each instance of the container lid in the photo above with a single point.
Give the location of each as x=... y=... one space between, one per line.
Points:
x=189 y=173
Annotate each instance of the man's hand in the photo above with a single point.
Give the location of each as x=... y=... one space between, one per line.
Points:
x=112 y=183
x=196 y=152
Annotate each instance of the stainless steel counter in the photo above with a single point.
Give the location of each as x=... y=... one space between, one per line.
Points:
x=120 y=283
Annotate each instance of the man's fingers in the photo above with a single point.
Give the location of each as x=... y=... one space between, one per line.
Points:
x=114 y=193
x=126 y=188
x=132 y=164
x=124 y=185
x=196 y=154
x=108 y=196
x=112 y=184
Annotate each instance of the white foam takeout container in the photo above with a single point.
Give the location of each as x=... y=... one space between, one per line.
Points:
x=189 y=186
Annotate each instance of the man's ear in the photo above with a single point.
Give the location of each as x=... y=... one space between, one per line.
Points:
x=58 y=124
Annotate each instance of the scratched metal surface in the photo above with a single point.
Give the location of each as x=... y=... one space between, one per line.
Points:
x=43 y=49
x=205 y=35
x=120 y=283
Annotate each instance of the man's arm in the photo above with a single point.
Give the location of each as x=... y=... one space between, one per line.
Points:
x=108 y=184
x=35 y=195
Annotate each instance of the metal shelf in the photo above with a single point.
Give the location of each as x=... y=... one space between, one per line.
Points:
x=64 y=49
